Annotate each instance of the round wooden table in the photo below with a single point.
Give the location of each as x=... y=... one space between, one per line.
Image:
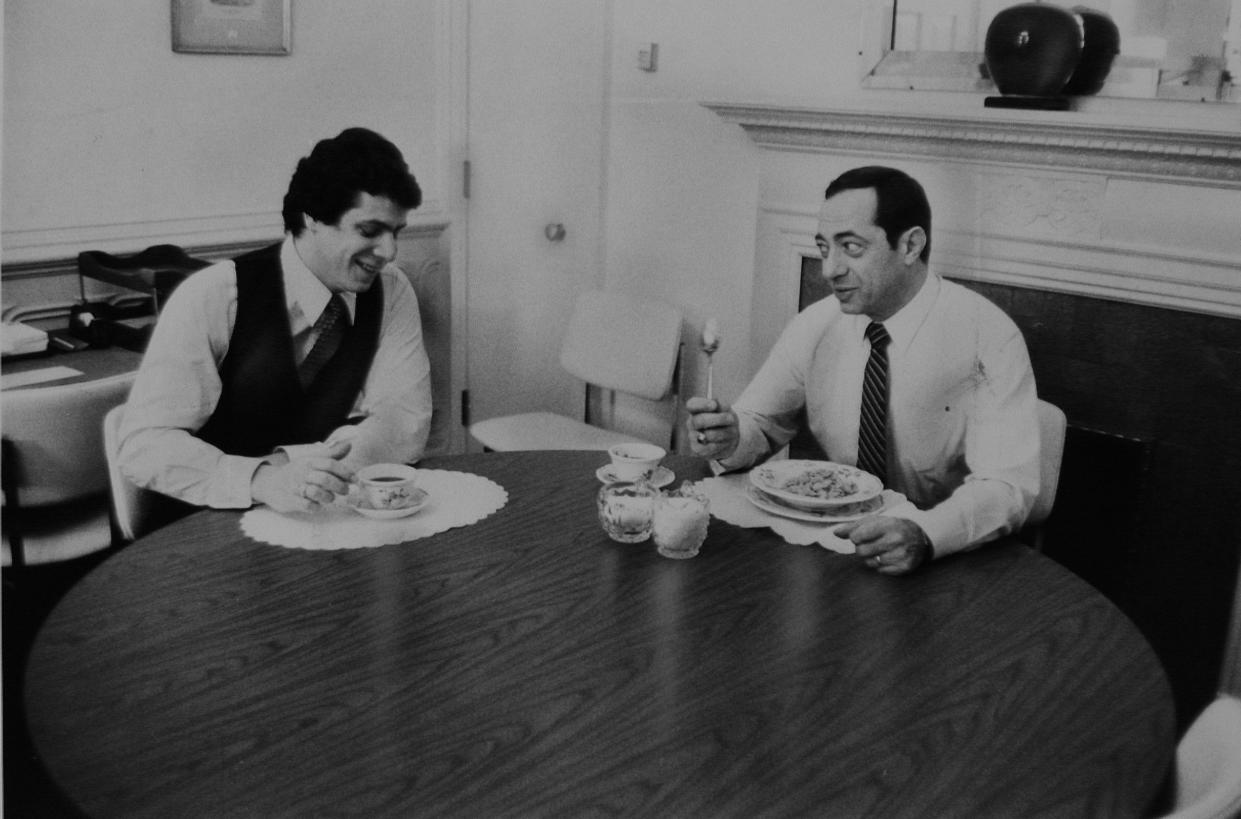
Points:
x=529 y=666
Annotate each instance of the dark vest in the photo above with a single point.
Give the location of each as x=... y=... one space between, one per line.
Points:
x=262 y=404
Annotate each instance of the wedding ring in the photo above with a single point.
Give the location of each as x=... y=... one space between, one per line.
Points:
x=702 y=437
x=306 y=491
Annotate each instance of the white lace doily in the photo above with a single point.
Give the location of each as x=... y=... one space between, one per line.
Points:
x=456 y=499
x=727 y=494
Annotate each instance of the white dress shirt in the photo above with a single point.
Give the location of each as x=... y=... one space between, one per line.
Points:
x=178 y=384
x=963 y=439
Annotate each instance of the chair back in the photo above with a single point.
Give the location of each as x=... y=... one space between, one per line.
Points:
x=1208 y=764
x=622 y=343
x=1052 y=424
x=131 y=505
x=55 y=436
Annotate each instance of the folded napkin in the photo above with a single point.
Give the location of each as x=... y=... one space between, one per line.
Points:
x=456 y=499
x=727 y=494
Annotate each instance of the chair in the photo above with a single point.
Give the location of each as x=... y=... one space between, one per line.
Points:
x=613 y=342
x=1051 y=426
x=55 y=472
x=1208 y=764
x=132 y=506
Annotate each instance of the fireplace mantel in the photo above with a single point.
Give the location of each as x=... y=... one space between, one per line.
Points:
x=1019 y=138
x=1072 y=202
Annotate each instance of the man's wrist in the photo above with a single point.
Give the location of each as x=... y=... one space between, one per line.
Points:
x=926 y=549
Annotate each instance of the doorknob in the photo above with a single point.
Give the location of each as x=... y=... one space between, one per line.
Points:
x=554 y=232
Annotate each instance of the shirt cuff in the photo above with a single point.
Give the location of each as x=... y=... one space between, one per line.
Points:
x=945 y=536
x=295 y=451
x=238 y=473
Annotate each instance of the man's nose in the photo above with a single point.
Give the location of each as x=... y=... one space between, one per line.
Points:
x=385 y=247
x=833 y=265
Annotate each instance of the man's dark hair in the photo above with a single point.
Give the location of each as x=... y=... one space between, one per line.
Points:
x=328 y=181
x=901 y=202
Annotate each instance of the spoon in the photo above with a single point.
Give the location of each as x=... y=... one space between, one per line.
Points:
x=710 y=343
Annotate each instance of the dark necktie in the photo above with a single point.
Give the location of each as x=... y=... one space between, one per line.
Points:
x=872 y=443
x=331 y=329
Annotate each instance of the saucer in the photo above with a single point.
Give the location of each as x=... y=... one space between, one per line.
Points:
x=362 y=507
x=661 y=477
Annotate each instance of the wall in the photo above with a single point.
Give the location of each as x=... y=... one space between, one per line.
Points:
x=683 y=188
x=111 y=139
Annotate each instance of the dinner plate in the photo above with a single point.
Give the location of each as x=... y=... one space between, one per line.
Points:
x=661 y=477
x=841 y=484
x=362 y=507
x=853 y=512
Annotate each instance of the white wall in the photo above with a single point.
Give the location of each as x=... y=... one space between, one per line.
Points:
x=109 y=137
x=683 y=186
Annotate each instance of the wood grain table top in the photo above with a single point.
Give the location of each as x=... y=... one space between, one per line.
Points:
x=528 y=666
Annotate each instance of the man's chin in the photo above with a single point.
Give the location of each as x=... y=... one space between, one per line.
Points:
x=847 y=303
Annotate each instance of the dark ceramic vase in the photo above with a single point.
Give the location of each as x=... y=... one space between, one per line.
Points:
x=1101 y=44
x=1032 y=49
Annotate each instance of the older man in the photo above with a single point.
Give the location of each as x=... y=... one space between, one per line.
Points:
x=272 y=377
x=914 y=378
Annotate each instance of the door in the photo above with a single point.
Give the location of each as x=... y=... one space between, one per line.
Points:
x=535 y=143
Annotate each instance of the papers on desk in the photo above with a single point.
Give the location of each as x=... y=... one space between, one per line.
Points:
x=17 y=338
x=39 y=376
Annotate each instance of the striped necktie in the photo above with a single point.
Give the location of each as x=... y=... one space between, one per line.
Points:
x=330 y=329
x=872 y=445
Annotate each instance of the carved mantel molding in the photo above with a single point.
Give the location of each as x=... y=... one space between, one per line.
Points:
x=1044 y=213
x=1202 y=157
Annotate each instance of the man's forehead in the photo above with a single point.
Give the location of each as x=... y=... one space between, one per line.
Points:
x=369 y=208
x=849 y=209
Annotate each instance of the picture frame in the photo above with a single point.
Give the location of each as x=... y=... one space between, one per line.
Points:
x=231 y=26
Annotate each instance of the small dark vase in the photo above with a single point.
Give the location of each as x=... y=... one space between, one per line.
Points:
x=1031 y=49
x=1100 y=46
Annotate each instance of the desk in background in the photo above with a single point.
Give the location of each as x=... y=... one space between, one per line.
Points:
x=90 y=365
x=527 y=665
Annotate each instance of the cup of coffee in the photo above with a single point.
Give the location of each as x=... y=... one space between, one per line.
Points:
x=633 y=461
x=388 y=486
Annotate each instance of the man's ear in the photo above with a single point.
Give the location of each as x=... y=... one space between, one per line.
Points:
x=911 y=244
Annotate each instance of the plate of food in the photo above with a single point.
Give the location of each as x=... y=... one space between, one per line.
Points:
x=360 y=504
x=842 y=514
x=815 y=486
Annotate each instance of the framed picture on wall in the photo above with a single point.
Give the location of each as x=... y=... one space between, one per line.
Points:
x=230 y=26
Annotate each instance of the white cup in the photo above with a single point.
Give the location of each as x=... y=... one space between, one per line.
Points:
x=633 y=461
x=388 y=486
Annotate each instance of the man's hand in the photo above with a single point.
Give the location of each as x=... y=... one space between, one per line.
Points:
x=303 y=484
x=890 y=545
x=713 y=431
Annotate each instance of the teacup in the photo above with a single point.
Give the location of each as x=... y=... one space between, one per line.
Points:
x=388 y=486
x=633 y=461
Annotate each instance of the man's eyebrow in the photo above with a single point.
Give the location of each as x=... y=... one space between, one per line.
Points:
x=394 y=227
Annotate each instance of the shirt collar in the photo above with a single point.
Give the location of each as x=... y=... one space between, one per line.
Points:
x=305 y=296
x=903 y=325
